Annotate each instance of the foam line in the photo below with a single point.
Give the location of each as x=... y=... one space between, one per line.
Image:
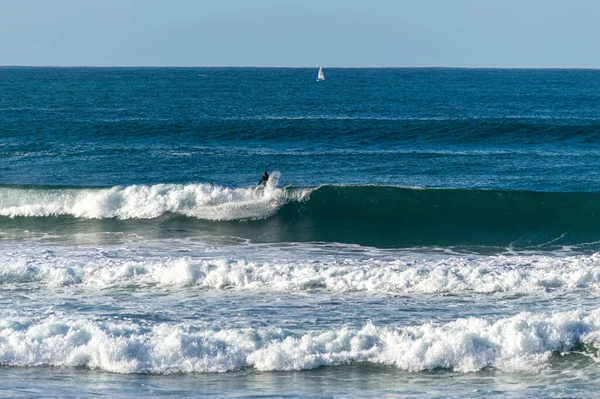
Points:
x=64 y=266
x=525 y=342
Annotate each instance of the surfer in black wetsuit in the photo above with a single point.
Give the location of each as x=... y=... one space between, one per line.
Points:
x=264 y=179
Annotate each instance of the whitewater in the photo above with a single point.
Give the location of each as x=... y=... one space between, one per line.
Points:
x=439 y=238
x=129 y=308
x=524 y=342
x=294 y=270
x=202 y=201
x=370 y=215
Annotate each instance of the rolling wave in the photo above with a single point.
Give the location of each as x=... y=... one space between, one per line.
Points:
x=517 y=130
x=525 y=342
x=383 y=216
x=63 y=266
x=201 y=201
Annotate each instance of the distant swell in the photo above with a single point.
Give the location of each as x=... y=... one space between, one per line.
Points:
x=525 y=342
x=367 y=215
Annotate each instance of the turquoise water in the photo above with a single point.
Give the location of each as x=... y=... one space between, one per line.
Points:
x=439 y=238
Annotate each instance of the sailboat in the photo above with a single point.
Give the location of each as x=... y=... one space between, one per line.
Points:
x=321 y=75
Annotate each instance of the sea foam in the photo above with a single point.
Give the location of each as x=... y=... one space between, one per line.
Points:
x=202 y=201
x=524 y=342
x=64 y=266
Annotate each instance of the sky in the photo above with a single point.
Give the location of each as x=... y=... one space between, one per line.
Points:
x=301 y=33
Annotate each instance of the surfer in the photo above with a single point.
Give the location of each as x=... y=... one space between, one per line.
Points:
x=264 y=179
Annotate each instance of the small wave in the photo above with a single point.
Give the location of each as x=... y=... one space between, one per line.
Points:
x=436 y=118
x=525 y=342
x=56 y=266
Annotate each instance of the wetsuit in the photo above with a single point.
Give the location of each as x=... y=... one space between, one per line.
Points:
x=263 y=180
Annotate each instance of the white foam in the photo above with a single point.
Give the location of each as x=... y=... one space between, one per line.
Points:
x=524 y=342
x=64 y=266
x=203 y=201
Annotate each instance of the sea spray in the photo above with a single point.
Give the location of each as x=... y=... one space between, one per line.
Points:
x=202 y=201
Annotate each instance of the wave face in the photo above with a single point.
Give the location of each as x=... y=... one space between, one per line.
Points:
x=367 y=215
x=525 y=342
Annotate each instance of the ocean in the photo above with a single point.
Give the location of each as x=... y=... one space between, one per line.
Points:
x=440 y=237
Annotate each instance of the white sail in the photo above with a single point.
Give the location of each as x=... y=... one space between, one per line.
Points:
x=321 y=75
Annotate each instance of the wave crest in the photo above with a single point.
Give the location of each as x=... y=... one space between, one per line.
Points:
x=380 y=216
x=524 y=342
x=202 y=201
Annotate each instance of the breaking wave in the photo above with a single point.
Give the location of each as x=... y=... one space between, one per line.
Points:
x=525 y=342
x=382 y=216
x=201 y=201
x=56 y=267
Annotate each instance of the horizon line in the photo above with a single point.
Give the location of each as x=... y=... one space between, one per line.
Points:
x=291 y=67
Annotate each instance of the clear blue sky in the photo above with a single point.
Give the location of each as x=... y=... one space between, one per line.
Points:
x=464 y=33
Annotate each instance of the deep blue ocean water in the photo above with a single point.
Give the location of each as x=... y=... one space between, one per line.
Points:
x=448 y=128
x=440 y=236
